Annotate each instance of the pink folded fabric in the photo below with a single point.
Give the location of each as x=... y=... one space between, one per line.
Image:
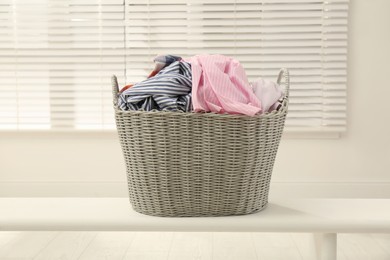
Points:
x=220 y=85
x=268 y=92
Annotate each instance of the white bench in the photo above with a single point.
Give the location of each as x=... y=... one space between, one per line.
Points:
x=323 y=217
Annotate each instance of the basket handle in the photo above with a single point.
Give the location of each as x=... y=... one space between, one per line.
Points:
x=284 y=73
x=115 y=90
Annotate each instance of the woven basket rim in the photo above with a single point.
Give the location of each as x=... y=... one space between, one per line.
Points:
x=274 y=113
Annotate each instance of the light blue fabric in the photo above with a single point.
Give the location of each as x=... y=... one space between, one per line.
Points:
x=167 y=59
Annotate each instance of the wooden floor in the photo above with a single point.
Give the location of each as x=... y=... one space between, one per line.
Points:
x=183 y=246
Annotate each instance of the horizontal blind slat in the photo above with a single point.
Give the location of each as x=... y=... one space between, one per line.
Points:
x=61 y=56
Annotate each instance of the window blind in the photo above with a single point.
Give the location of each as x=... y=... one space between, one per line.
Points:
x=57 y=55
x=308 y=37
x=56 y=61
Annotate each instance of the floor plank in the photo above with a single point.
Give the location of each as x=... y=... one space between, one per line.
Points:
x=383 y=240
x=266 y=253
x=7 y=236
x=26 y=245
x=233 y=246
x=362 y=246
x=108 y=245
x=354 y=249
x=183 y=246
x=152 y=241
x=275 y=246
x=150 y=245
x=147 y=255
x=191 y=246
x=67 y=245
x=305 y=244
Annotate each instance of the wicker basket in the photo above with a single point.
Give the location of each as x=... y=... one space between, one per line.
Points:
x=199 y=164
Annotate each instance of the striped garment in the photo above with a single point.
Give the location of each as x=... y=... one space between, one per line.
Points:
x=220 y=85
x=168 y=90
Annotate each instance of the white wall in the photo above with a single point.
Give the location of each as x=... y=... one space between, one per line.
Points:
x=357 y=164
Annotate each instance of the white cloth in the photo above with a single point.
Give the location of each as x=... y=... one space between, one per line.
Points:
x=268 y=92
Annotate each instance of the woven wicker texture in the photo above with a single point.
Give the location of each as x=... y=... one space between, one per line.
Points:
x=199 y=164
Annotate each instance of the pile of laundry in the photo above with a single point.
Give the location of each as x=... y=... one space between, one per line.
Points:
x=202 y=83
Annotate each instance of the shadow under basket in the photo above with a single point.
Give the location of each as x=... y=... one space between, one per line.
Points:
x=199 y=164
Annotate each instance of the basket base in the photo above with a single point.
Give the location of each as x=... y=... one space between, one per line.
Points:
x=197 y=214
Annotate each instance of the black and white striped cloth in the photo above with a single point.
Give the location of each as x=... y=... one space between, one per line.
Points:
x=170 y=89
